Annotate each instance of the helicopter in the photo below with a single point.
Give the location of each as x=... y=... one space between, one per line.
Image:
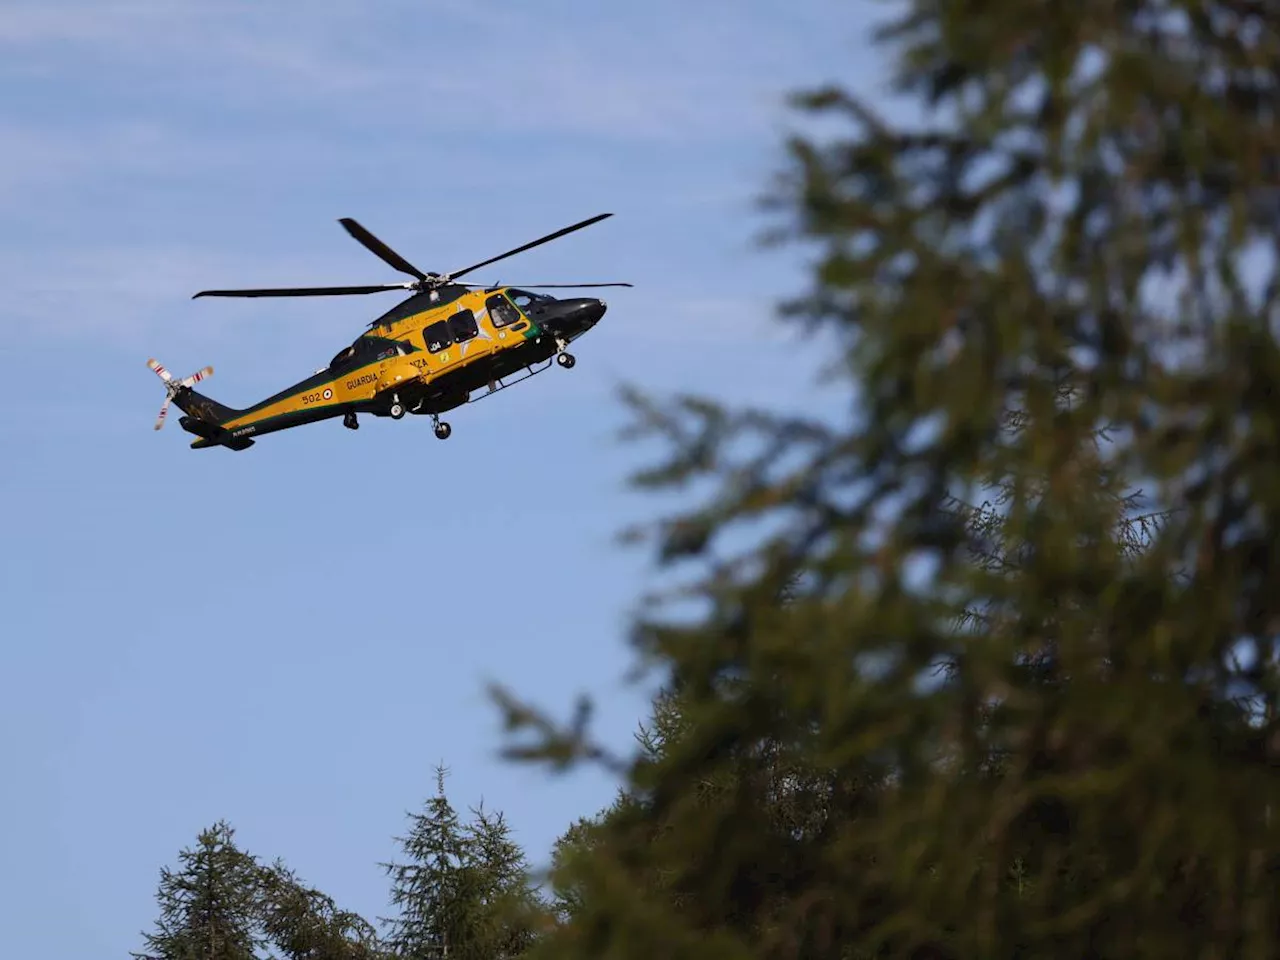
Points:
x=428 y=354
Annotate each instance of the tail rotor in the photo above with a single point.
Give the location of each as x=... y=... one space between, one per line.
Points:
x=172 y=386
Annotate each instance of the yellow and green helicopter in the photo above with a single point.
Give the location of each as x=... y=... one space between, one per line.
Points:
x=426 y=355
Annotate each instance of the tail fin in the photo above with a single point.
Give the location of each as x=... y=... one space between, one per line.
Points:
x=179 y=392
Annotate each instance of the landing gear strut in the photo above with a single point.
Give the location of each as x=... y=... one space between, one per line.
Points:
x=563 y=357
x=442 y=429
x=349 y=420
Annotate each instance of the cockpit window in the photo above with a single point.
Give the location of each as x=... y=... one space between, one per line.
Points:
x=526 y=300
x=367 y=350
x=501 y=310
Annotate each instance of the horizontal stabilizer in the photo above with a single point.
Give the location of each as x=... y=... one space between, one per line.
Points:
x=223 y=440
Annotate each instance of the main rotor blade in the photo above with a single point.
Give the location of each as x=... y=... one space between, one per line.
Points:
x=380 y=249
x=545 y=286
x=529 y=246
x=303 y=291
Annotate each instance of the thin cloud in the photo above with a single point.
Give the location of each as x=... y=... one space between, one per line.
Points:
x=31 y=157
x=134 y=295
x=630 y=76
x=50 y=23
x=44 y=154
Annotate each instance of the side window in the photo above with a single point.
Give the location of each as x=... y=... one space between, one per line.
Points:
x=501 y=312
x=437 y=336
x=462 y=325
x=343 y=360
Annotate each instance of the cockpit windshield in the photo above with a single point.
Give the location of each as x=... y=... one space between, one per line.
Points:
x=527 y=300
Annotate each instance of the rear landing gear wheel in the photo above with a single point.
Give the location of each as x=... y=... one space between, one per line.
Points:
x=349 y=421
x=565 y=360
x=396 y=411
x=443 y=430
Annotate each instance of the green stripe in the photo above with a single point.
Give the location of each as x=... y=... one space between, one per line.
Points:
x=301 y=387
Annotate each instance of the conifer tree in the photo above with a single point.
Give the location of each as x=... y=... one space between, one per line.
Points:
x=565 y=875
x=464 y=890
x=304 y=924
x=225 y=903
x=1080 y=236
x=209 y=906
x=506 y=908
x=426 y=886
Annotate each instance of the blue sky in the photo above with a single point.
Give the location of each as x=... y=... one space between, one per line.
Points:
x=292 y=637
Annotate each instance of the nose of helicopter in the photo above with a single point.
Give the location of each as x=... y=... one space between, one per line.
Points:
x=572 y=317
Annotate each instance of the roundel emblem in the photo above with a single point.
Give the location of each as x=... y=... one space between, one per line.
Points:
x=328 y=393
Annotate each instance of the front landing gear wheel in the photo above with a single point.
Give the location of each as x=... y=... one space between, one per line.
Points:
x=565 y=360
x=396 y=411
x=349 y=421
x=443 y=430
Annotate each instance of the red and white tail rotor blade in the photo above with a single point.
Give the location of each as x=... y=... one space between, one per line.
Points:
x=160 y=371
x=164 y=410
x=198 y=376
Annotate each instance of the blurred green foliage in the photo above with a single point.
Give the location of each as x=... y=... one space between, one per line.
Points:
x=1019 y=698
